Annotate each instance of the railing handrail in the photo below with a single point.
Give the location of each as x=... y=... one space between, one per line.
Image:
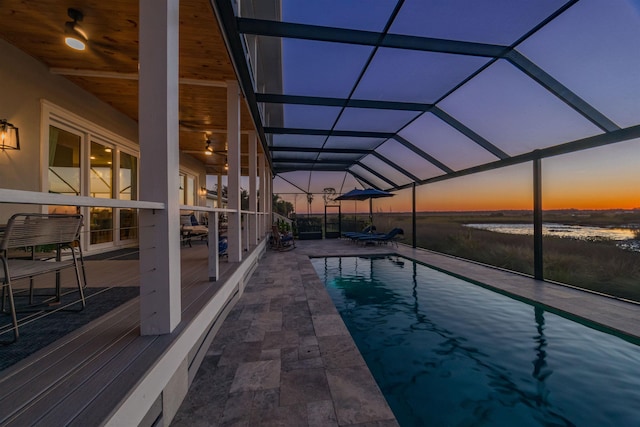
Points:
x=40 y=198
x=204 y=209
x=277 y=216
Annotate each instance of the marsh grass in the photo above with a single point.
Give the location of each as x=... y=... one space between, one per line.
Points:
x=599 y=265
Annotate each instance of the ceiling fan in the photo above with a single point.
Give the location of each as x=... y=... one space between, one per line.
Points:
x=74 y=35
x=99 y=45
x=209 y=149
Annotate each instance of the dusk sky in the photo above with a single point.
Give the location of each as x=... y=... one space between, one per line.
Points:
x=591 y=49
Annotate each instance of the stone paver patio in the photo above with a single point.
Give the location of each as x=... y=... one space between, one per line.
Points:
x=283 y=357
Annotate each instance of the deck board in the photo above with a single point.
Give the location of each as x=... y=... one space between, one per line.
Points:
x=65 y=410
x=44 y=379
x=60 y=402
x=37 y=365
x=80 y=378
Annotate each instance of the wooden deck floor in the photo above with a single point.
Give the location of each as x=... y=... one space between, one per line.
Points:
x=79 y=379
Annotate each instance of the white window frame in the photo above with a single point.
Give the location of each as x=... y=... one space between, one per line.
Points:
x=53 y=115
x=188 y=173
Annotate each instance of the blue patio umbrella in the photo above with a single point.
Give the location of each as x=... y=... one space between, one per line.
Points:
x=367 y=193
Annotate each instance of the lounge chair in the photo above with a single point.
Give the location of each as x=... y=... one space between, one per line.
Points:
x=190 y=228
x=368 y=230
x=223 y=245
x=391 y=236
x=281 y=241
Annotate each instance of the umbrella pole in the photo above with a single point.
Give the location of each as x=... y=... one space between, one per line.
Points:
x=371 y=213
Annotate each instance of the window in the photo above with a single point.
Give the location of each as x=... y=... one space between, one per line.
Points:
x=101 y=186
x=64 y=166
x=86 y=160
x=128 y=190
x=187 y=192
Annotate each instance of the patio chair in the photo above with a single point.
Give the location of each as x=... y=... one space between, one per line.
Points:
x=36 y=235
x=392 y=236
x=223 y=246
x=365 y=231
x=190 y=228
x=281 y=241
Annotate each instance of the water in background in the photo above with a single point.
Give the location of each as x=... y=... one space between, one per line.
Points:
x=624 y=236
x=446 y=352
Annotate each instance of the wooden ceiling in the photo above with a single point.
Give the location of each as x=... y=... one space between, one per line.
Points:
x=108 y=68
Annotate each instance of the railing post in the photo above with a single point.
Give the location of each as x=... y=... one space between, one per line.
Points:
x=214 y=255
x=234 y=233
x=263 y=195
x=253 y=190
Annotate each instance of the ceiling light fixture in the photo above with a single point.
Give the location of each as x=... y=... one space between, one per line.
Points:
x=74 y=36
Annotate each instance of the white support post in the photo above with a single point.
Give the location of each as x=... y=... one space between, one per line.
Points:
x=270 y=198
x=160 y=306
x=263 y=196
x=214 y=255
x=233 y=176
x=219 y=195
x=267 y=207
x=245 y=235
x=253 y=189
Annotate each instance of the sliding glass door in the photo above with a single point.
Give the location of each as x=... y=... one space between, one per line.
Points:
x=101 y=186
x=65 y=156
x=128 y=190
x=83 y=163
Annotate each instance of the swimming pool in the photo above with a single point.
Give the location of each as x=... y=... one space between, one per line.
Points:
x=446 y=352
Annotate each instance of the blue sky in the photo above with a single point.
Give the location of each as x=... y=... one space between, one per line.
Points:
x=592 y=49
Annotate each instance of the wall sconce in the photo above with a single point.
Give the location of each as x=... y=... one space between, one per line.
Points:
x=9 y=137
x=74 y=36
x=203 y=191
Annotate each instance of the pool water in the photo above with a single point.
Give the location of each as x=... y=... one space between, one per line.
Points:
x=446 y=352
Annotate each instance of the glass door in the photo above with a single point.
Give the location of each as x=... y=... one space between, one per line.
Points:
x=101 y=186
x=64 y=174
x=128 y=190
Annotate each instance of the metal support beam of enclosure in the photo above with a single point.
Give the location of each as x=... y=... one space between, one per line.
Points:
x=538 y=265
x=414 y=239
